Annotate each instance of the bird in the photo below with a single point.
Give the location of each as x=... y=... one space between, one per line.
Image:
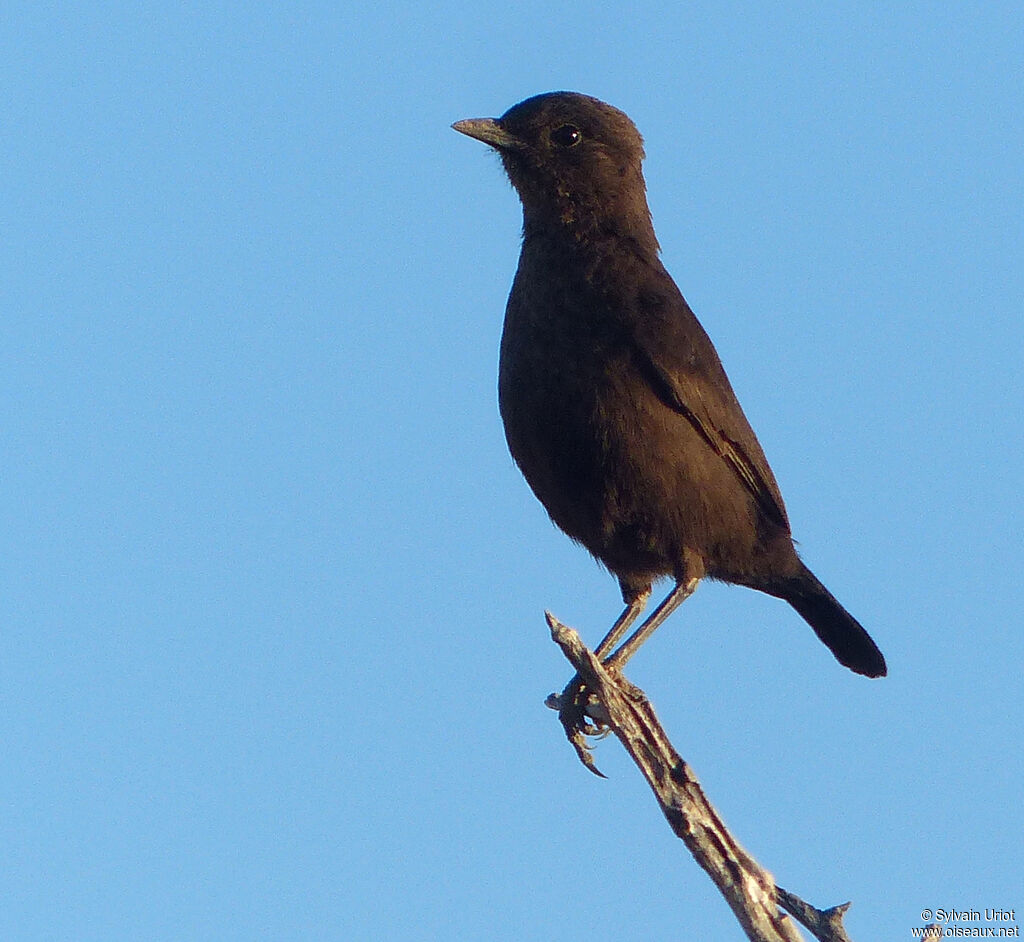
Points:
x=615 y=405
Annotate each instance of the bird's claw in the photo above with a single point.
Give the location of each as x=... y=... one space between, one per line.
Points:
x=576 y=709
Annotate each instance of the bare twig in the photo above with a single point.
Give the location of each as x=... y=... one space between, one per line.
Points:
x=748 y=888
x=825 y=925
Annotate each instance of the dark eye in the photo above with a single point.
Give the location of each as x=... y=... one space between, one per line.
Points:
x=568 y=135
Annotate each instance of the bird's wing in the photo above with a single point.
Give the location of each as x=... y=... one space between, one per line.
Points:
x=683 y=369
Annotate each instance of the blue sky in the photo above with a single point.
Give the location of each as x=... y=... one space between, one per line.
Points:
x=273 y=659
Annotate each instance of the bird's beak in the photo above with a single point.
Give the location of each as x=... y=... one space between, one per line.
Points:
x=489 y=131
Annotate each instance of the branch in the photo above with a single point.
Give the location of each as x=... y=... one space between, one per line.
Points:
x=748 y=888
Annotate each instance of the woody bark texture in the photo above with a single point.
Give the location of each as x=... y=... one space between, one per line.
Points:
x=748 y=888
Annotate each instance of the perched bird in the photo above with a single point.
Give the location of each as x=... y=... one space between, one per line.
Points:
x=615 y=405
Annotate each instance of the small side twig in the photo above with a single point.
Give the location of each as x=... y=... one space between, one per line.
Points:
x=826 y=925
x=748 y=888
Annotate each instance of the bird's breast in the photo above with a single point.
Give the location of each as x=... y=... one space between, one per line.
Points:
x=571 y=396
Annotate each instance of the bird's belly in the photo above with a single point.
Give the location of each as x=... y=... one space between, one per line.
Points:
x=624 y=475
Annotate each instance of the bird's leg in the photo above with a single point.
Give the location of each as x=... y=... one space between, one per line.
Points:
x=634 y=606
x=684 y=588
x=571 y=703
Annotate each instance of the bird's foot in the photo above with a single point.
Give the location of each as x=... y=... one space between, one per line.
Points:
x=581 y=715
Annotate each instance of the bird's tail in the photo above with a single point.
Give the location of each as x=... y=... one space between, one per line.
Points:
x=834 y=625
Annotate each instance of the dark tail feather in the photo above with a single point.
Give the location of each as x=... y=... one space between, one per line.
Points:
x=837 y=628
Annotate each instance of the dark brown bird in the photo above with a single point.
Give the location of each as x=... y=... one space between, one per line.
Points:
x=616 y=407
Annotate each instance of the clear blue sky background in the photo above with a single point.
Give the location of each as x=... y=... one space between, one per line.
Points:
x=272 y=654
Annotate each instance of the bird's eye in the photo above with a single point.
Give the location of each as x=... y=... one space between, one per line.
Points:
x=568 y=135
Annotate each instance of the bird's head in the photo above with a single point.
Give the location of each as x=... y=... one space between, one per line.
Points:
x=575 y=162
